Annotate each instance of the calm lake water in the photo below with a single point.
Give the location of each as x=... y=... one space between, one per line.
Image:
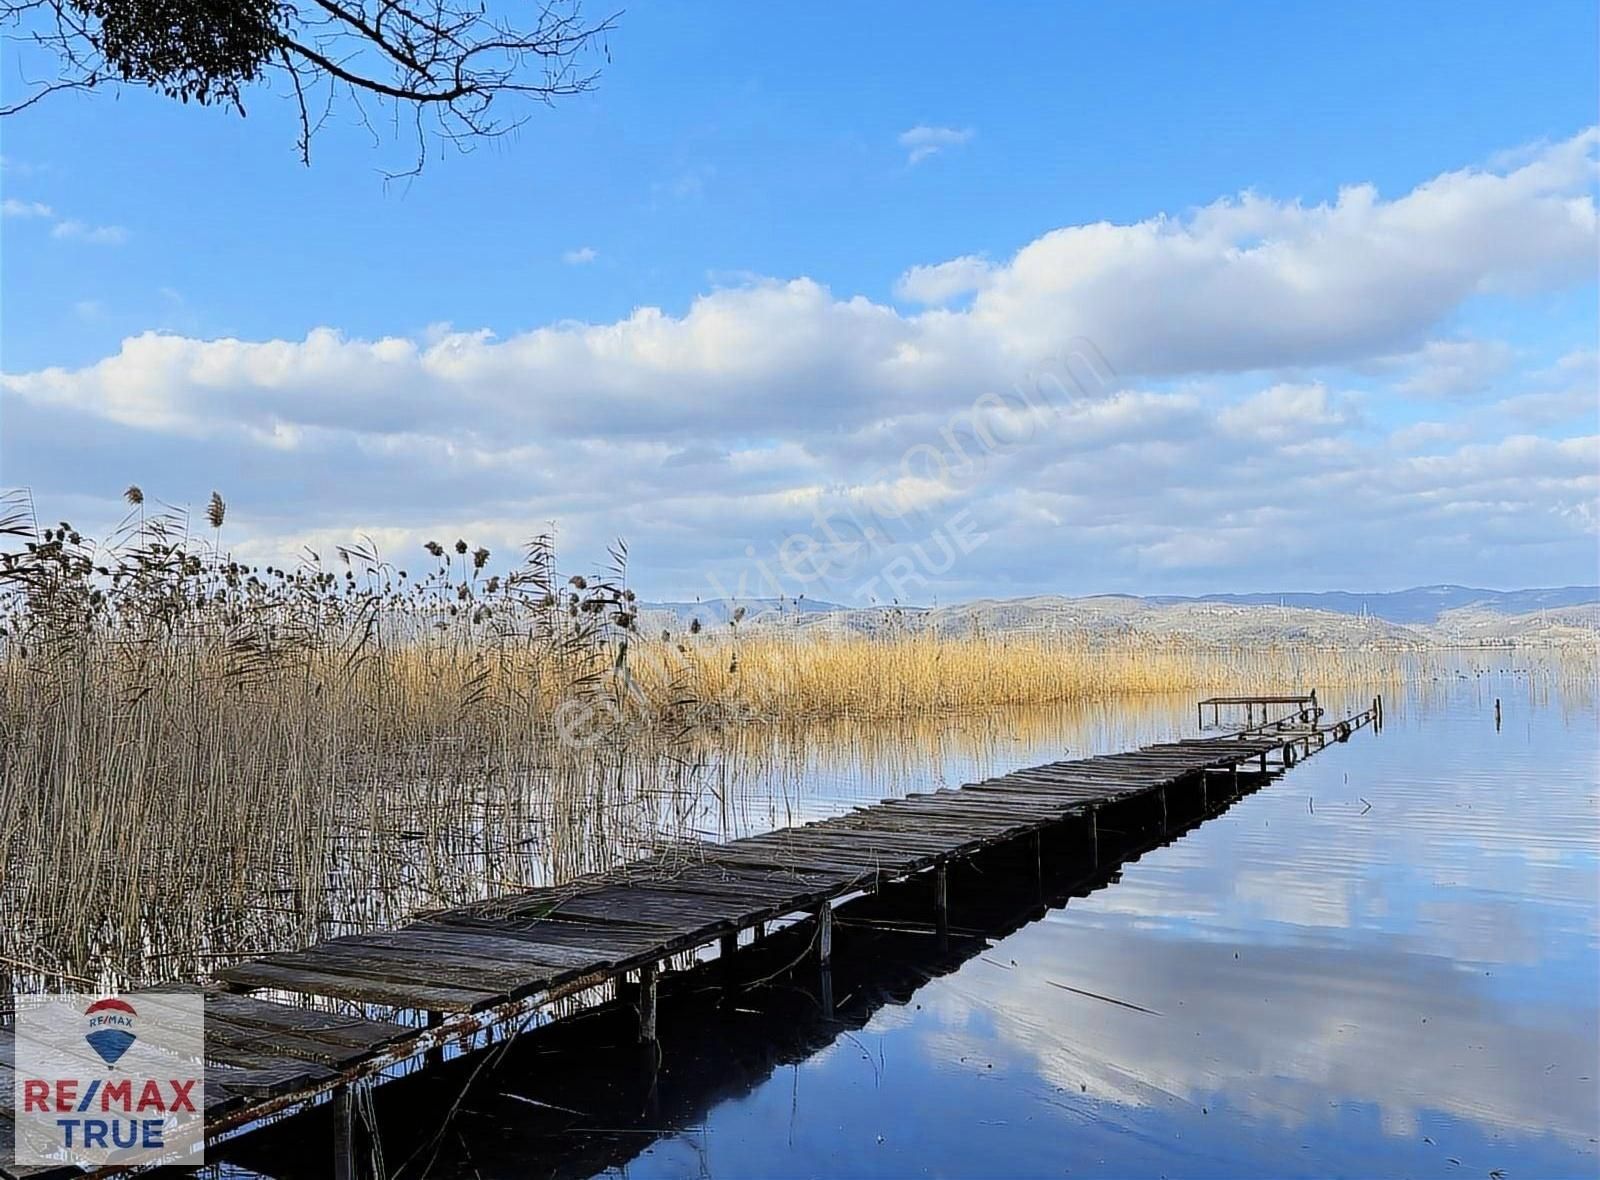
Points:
x=1386 y=963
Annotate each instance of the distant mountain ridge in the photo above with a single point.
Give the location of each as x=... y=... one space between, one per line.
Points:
x=1425 y=616
x=1420 y=604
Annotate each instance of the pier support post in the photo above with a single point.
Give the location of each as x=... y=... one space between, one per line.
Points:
x=727 y=948
x=941 y=903
x=1263 y=762
x=1163 y=793
x=344 y=1148
x=824 y=953
x=650 y=1081
x=647 y=1004
x=1094 y=836
x=435 y=1056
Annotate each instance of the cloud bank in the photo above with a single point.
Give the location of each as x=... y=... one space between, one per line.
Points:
x=1212 y=417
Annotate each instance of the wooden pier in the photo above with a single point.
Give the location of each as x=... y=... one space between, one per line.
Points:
x=456 y=975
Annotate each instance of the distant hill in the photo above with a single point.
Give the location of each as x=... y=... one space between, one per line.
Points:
x=1548 y=625
x=1420 y=604
x=1422 y=617
x=714 y=611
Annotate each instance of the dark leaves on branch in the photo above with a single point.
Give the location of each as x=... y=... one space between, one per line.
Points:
x=439 y=64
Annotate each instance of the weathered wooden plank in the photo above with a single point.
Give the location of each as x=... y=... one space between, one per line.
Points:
x=469 y=949
x=241 y=1045
x=265 y=1082
x=854 y=870
x=647 y=903
x=724 y=881
x=419 y=969
x=333 y=1027
x=602 y=941
x=262 y=974
x=836 y=839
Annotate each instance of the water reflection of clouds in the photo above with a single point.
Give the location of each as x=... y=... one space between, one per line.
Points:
x=1299 y=897
x=1281 y=1032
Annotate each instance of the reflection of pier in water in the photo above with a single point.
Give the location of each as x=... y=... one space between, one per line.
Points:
x=577 y=1096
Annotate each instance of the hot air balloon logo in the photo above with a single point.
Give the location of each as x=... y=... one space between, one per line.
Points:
x=110 y=1028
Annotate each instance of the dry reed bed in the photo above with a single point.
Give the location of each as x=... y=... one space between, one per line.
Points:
x=201 y=759
x=785 y=676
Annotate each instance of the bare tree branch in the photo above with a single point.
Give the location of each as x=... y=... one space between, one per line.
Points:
x=443 y=62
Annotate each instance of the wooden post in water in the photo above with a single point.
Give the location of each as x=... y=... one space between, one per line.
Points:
x=1163 y=793
x=435 y=1055
x=344 y=1148
x=1094 y=835
x=825 y=956
x=727 y=948
x=941 y=903
x=647 y=1004
x=1497 y=714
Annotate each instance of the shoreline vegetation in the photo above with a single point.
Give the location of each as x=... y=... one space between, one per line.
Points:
x=201 y=759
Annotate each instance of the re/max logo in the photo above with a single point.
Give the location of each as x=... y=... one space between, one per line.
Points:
x=63 y=1097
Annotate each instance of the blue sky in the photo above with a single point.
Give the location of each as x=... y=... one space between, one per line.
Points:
x=770 y=181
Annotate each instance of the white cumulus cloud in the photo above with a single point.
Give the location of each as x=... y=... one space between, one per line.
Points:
x=943 y=282
x=11 y=207
x=97 y=235
x=923 y=141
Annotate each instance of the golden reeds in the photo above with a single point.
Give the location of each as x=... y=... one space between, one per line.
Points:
x=798 y=674
x=199 y=754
